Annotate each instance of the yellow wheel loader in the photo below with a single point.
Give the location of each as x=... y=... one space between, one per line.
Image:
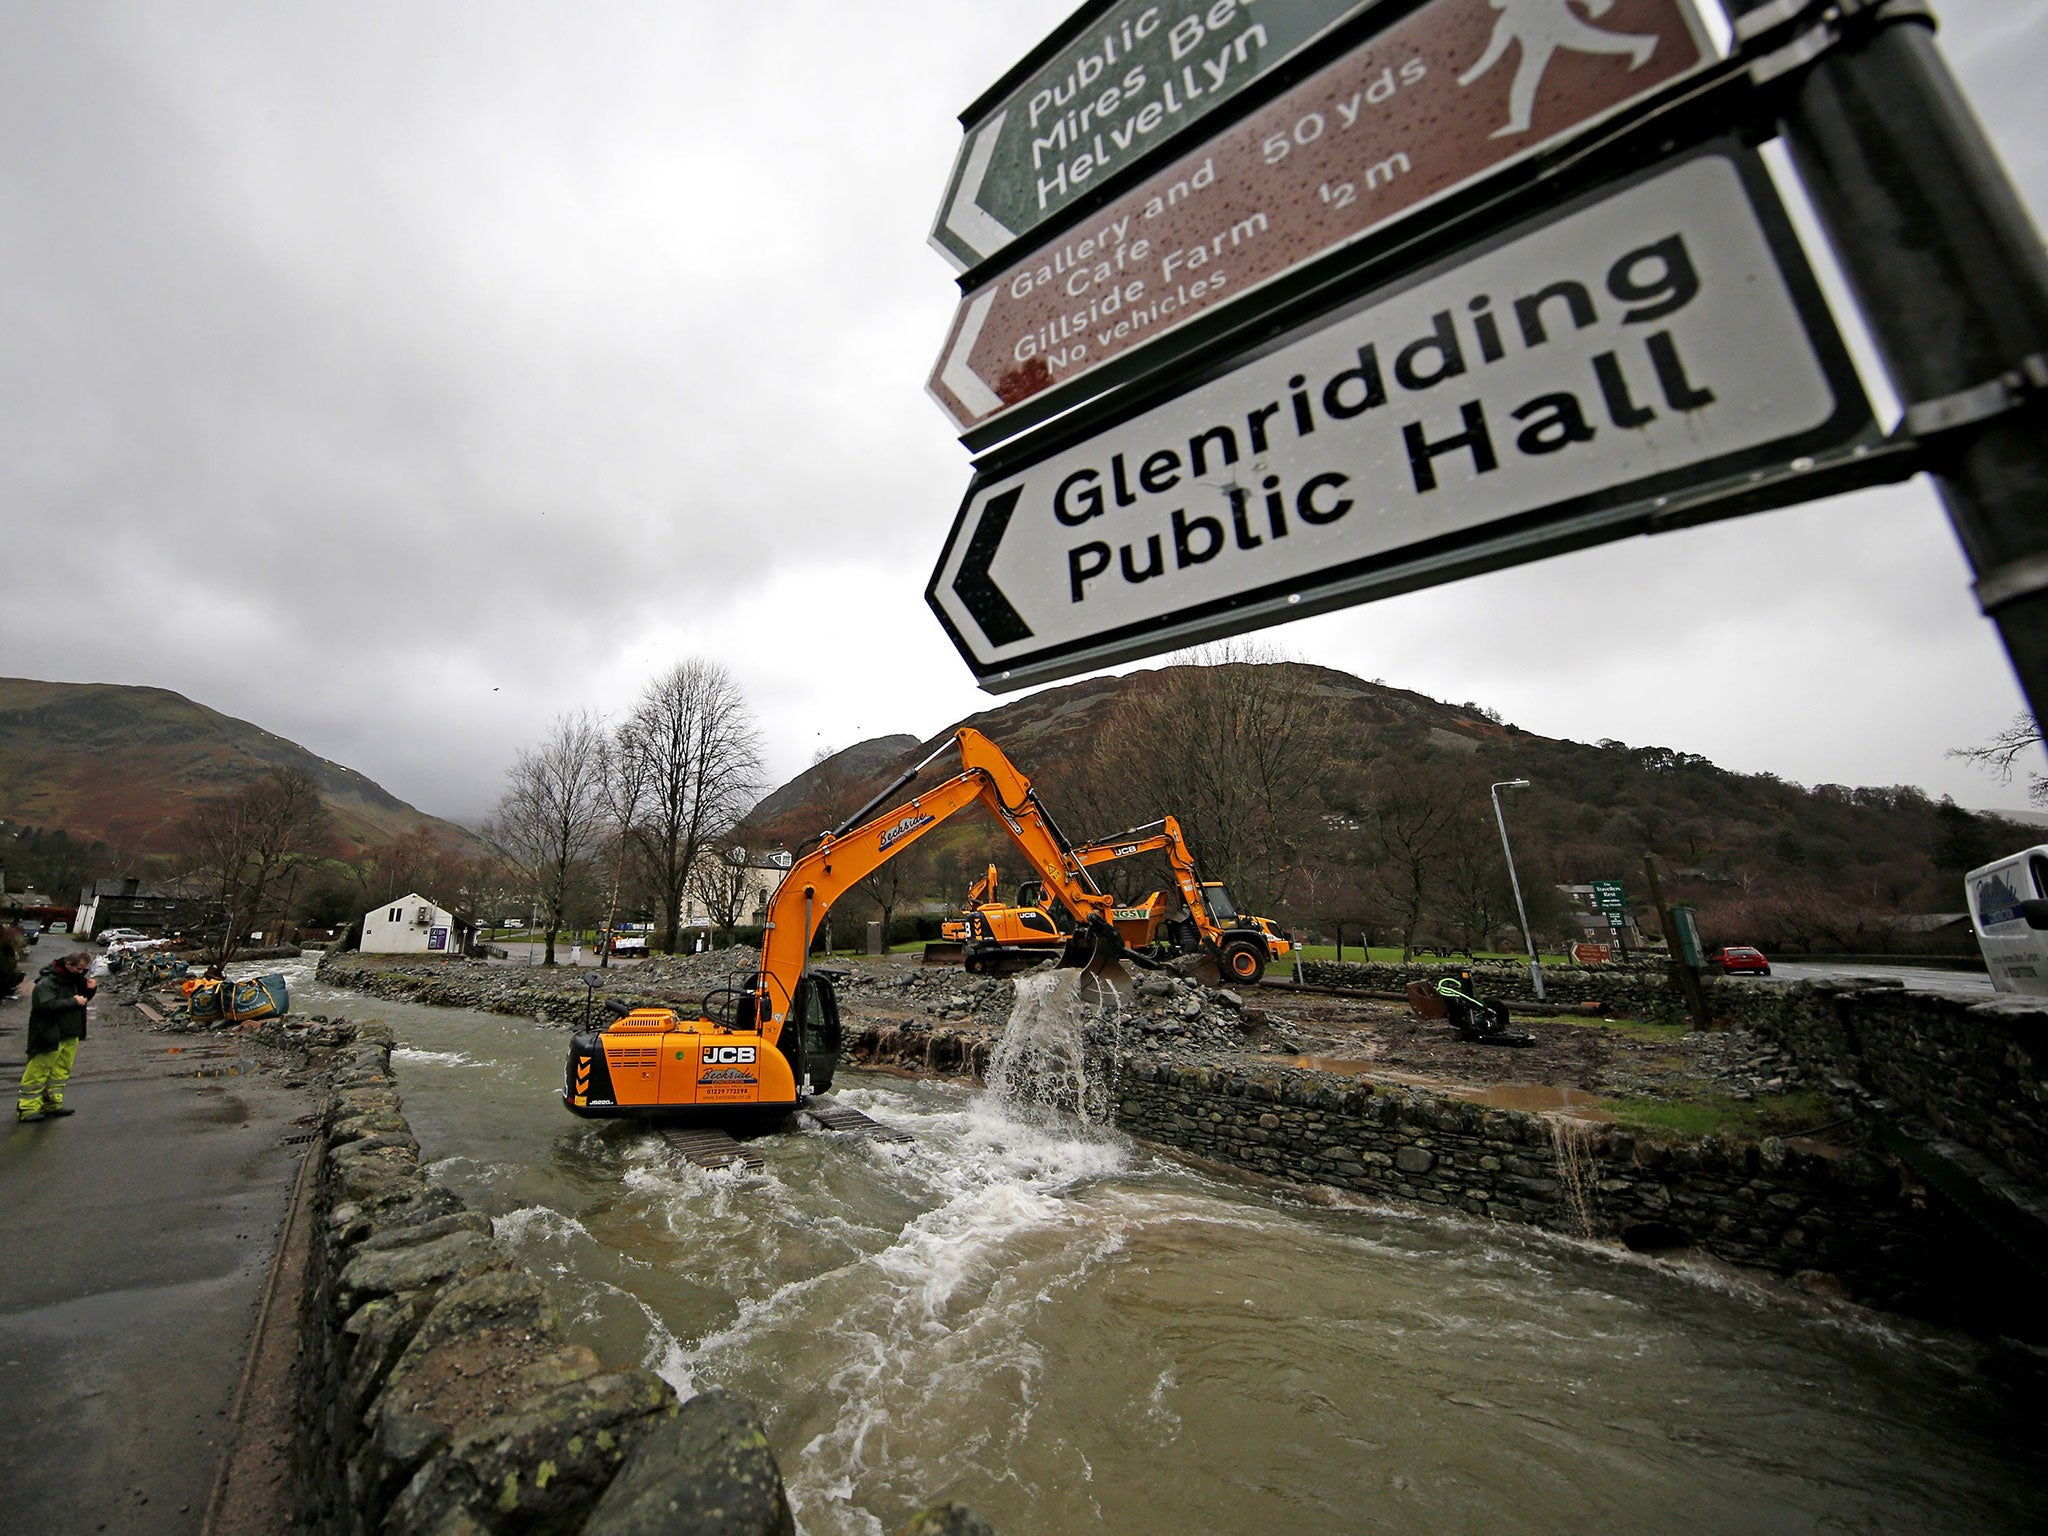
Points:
x=1241 y=945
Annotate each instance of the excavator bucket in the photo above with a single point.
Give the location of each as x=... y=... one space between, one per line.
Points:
x=944 y=952
x=1097 y=951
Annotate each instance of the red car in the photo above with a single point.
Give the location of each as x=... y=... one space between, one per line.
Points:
x=1740 y=958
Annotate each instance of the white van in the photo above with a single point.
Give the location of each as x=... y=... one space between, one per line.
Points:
x=2009 y=910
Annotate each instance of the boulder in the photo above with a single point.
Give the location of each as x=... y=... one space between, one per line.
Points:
x=707 y=1471
x=540 y=1467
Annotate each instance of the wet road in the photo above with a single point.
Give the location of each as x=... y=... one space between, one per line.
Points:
x=138 y=1233
x=1920 y=978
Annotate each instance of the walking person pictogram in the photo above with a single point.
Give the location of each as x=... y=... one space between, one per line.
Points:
x=1542 y=27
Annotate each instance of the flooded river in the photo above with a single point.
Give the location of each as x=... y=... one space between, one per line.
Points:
x=1073 y=1334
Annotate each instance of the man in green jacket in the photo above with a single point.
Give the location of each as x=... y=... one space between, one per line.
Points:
x=56 y=1023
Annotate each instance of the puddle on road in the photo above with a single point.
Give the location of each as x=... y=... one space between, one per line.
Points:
x=1541 y=1098
x=1342 y=1066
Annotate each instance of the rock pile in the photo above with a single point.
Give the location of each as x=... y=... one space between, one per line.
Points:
x=1167 y=1013
x=1736 y=1062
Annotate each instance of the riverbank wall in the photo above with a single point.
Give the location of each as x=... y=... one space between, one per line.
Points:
x=1842 y=1222
x=438 y=1394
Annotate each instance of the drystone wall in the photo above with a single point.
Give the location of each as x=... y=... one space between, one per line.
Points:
x=438 y=1394
x=1971 y=1068
x=552 y=996
x=1839 y=1221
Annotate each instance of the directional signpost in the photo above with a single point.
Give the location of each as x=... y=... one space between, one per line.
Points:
x=1225 y=399
x=1423 y=108
x=1131 y=77
x=1570 y=381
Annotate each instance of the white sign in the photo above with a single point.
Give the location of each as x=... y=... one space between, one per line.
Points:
x=1640 y=344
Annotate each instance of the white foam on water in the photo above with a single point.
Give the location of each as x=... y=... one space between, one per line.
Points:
x=537 y=1223
x=426 y=1058
x=943 y=1312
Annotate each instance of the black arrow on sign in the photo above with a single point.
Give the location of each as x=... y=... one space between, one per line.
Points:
x=980 y=596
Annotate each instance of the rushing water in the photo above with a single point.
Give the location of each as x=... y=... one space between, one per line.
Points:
x=1073 y=1334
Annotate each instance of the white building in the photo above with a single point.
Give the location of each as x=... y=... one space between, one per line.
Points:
x=413 y=925
x=755 y=887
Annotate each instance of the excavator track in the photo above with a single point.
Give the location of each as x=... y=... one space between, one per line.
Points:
x=840 y=1117
x=709 y=1147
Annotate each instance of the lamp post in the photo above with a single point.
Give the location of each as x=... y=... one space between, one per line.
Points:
x=1500 y=817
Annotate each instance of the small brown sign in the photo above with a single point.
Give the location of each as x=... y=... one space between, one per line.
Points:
x=1457 y=90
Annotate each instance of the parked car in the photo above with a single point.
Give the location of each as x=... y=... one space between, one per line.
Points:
x=108 y=936
x=31 y=930
x=1740 y=959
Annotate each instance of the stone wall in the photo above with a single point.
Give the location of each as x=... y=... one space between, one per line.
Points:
x=1971 y=1068
x=436 y=1385
x=455 y=983
x=1840 y=1221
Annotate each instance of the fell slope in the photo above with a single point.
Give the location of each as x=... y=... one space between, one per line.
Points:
x=125 y=765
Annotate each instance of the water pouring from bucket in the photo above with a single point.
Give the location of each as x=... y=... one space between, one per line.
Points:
x=1057 y=1057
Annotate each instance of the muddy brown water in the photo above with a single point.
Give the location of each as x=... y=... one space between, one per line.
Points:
x=1072 y=1333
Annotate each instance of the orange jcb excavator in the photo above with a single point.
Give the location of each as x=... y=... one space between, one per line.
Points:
x=1024 y=928
x=768 y=1042
x=1240 y=944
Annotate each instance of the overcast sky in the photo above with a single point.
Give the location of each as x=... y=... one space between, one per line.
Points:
x=399 y=375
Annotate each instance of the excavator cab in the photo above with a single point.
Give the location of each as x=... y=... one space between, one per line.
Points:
x=814 y=1013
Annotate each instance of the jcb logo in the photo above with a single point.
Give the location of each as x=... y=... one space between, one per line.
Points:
x=1126 y=851
x=723 y=1054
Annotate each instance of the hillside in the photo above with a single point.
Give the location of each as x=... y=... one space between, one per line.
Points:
x=125 y=765
x=1765 y=860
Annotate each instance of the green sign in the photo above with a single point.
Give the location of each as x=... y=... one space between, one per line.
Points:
x=1608 y=897
x=1127 y=82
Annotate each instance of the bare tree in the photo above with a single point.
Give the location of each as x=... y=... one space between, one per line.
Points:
x=243 y=842
x=1413 y=818
x=723 y=886
x=902 y=878
x=1474 y=895
x=547 y=822
x=696 y=736
x=623 y=788
x=1232 y=740
x=2001 y=754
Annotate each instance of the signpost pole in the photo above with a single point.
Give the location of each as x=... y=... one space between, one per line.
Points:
x=1953 y=284
x=1535 y=965
x=1688 y=978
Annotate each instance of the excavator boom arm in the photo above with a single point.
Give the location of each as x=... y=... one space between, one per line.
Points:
x=1167 y=840
x=821 y=876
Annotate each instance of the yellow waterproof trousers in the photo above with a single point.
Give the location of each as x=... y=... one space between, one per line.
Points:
x=42 y=1085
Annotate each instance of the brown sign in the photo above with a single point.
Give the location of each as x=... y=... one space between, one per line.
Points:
x=1459 y=89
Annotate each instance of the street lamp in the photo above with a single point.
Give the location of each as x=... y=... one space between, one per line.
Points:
x=1535 y=966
